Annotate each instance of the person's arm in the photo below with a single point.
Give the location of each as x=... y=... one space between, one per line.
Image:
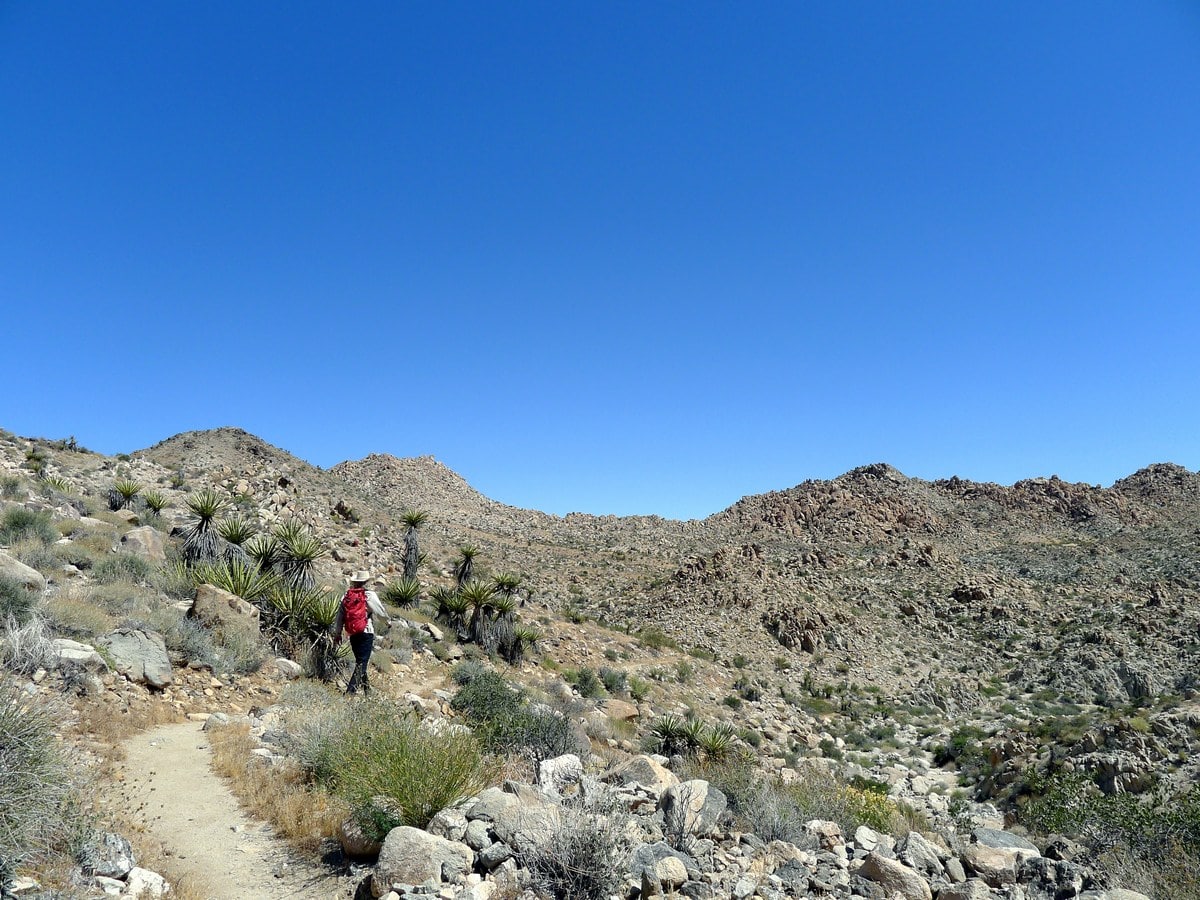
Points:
x=376 y=607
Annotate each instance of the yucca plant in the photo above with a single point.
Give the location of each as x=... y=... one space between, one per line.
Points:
x=506 y=583
x=403 y=592
x=264 y=550
x=299 y=622
x=237 y=576
x=668 y=735
x=412 y=519
x=465 y=566
x=450 y=607
x=236 y=529
x=201 y=542
x=127 y=490
x=155 y=502
x=478 y=597
x=693 y=730
x=524 y=638
x=299 y=551
x=57 y=483
x=717 y=741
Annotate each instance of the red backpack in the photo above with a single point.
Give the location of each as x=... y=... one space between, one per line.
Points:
x=355 y=606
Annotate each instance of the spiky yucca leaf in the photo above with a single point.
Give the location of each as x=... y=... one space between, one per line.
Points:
x=403 y=592
x=506 y=583
x=414 y=518
x=264 y=550
x=717 y=741
x=452 y=609
x=298 y=555
x=155 y=501
x=668 y=735
x=236 y=529
x=465 y=566
x=127 y=489
x=201 y=543
x=238 y=577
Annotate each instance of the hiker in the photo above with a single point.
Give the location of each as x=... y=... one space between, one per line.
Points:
x=354 y=616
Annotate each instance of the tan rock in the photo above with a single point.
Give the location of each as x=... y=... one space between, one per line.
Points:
x=895 y=877
x=223 y=611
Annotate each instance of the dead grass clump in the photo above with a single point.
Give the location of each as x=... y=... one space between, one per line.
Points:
x=302 y=813
x=73 y=615
x=108 y=723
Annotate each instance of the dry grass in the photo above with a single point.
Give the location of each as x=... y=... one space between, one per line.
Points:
x=104 y=726
x=303 y=814
x=75 y=615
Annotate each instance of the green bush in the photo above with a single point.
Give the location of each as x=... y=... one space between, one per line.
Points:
x=390 y=769
x=587 y=682
x=19 y=524
x=123 y=567
x=614 y=680
x=508 y=723
x=16 y=601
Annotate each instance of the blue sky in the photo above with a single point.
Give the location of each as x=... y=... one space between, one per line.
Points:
x=610 y=257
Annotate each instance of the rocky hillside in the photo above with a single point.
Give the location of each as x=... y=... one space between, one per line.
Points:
x=928 y=637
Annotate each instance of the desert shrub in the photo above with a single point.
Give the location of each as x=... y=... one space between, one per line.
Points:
x=775 y=811
x=174 y=578
x=25 y=648
x=467 y=671
x=76 y=617
x=1152 y=830
x=19 y=524
x=614 y=680
x=241 y=651
x=16 y=601
x=586 y=856
x=10 y=487
x=639 y=688
x=187 y=640
x=123 y=567
x=587 y=682
x=508 y=723
x=53 y=557
x=298 y=622
x=655 y=638
x=38 y=801
x=390 y=769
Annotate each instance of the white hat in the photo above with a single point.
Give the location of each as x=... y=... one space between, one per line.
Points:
x=360 y=576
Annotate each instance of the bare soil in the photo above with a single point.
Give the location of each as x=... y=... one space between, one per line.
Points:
x=169 y=788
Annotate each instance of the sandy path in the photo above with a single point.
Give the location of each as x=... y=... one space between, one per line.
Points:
x=172 y=791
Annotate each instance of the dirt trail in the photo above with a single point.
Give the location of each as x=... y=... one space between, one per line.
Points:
x=171 y=790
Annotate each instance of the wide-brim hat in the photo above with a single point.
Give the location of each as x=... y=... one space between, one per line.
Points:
x=360 y=576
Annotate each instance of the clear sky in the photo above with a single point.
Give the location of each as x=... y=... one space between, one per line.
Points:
x=610 y=257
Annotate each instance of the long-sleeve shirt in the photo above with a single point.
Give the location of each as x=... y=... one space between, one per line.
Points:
x=374 y=608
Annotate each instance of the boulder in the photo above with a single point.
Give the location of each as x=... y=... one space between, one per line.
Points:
x=449 y=824
x=920 y=853
x=356 y=844
x=107 y=854
x=644 y=771
x=828 y=834
x=141 y=656
x=142 y=884
x=692 y=807
x=995 y=866
x=895 y=877
x=412 y=856
x=147 y=542
x=619 y=710
x=224 y=612
x=523 y=822
x=968 y=890
x=29 y=578
x=558 y=774
x=74 y=654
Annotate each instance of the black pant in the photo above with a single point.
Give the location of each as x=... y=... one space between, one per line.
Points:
x=361 y=644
